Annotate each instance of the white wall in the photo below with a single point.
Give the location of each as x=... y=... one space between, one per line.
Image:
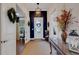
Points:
x=8 y=31
x=53 y=12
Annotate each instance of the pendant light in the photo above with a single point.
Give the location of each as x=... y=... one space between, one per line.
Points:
x=37 y=10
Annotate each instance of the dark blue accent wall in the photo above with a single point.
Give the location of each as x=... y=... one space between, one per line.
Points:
x=31 y=24
x=32 y=15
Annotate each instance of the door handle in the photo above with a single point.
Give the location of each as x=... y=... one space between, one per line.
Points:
x=3 y=41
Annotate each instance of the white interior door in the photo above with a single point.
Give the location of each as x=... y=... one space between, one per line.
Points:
x=8 y=46
x=8 y=31
x=38 y=27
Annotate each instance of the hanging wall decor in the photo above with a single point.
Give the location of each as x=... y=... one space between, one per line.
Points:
x=48 y=24
x=12 y=15
x=28 y=23
x=17 y=19
x=54 y=31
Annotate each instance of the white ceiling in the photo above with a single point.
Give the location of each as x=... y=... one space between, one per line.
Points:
x=42 y=6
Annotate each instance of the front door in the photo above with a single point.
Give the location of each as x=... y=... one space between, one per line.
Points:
x=38 y=27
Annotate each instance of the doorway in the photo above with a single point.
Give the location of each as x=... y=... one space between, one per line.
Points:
x=38 y=25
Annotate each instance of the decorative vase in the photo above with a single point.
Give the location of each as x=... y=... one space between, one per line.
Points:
x=64 y=36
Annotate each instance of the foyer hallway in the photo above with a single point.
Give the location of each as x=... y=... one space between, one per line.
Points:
x=38 y=47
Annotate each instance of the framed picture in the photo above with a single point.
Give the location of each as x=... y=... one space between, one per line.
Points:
x=74 y=45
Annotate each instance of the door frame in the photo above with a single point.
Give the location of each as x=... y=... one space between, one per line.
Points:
x=32 y=15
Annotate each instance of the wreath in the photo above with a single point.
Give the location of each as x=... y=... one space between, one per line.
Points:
x=12 y=15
